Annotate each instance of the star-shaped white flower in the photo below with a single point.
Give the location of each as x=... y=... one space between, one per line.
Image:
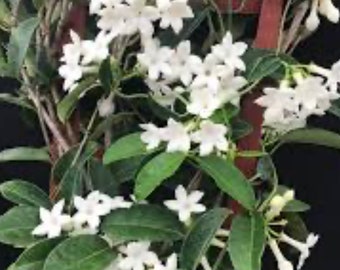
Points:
x=156 y=59
x=229 y=89
x=53 y=222
x=119 y=202
x=203 y=102
x=96 y=50
x=90 y=210
x=172 y=13
x=113 y=19
x=211 y=136
x=152 y=136
x=72 y=51
x=186 y=203
x=137 y=256
x=71 y=73
x=177 y=137
x=282 y=262
x=230 y=52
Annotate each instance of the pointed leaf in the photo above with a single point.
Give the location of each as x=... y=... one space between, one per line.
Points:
x=229 y=179
x=200 y=236
x=24 y=154
x=156 y=171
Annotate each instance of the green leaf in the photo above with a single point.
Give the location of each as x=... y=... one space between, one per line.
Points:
x=247 y=242
x=229 y=179
x=156 y=171
x=68 y=104
x=102 y=179
x=126 y=170
x=72 y=183
x=240 y=129
x=17 y=224
x=19 y=43
x=200 y=236
x=313 y=136
x=24 y=154
x=19 y=101
x=22 y=192
x=143 y=222
x=86 y=252
x=296 y=227
x=106 y=75
x=125 y=147
x=33 y=258
x=296 y=206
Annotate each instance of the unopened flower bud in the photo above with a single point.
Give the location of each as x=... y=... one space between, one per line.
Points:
x=289 y=195
x=106 y=106
x=312 y=22
x=328 y=9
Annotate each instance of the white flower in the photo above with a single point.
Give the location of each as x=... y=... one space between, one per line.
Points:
x=71 y=73
x=97 y=50
x=162 y=92
x=210 y=136
x=229 y=89
x=90 y=209
x=156 y=59
x=172 y=13
x=119 y=202
x=203 y=102
x=140 y=17
x=137 y=256
x=113 y=19
x=171 y=263
x=177 y=137
x=277 y=203
x=186 y=203
x=152 y=136
x=106 y=106
x=184 y=64
x=53 y=222
x=304 y=248
x=282 y=262
x=332 y=75
x=230 y=52
x=72 y=51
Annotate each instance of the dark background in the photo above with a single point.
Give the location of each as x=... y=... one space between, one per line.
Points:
x=313 y=171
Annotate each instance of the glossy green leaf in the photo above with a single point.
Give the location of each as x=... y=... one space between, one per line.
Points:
x=143 y=222
x=156 y=171
x=24 y=154
x=33 y=258
x=17 y=224
x=199 y=237
x=22 y=192
x=247 y=242
x=229 y=179
x=86 y=252
x=240 y=129
x=125 y=147
x=19 y=43
x=66 y=107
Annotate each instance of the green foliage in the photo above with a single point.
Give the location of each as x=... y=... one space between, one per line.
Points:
x=156 y=171
x=87 y=252
x=24 y=154
x=247 y=241
x=19 y=101
x=106 y=75
x=229 y=179
x=198 y=239
x=143 y=222
x=17 y=224
x=25 y=193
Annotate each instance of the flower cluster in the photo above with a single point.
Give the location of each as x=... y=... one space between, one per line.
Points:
x=289 y=105
x=325 y=8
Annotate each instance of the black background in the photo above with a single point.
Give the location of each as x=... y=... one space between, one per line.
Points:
x=313 y=171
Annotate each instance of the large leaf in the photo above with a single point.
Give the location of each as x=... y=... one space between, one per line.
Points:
x=126 y=147
x=87 y=252
x=24 y=154
x=229 y=179
x=156 y=171
x=17 y=224
x=313 y=136
x=22 y=192
x=143 y=222
x=19 y=43
x=68 y=104
x=33 y=258
x=247 y=242
x=200 y=236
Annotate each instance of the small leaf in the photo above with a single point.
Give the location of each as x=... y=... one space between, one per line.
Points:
x=105 y=75
x=200 y=236
x=22 y=192
x=125 y=147
x=33 y=258
x=296 y=206
x=240 y=129
x=229 y=179
x=19 y=43
x=24 y=154
x=17 y=224
x=86 y=252
x=247 y=242
x=143 y=222
x=156 y=171
x=68 y=104
x=313 y=136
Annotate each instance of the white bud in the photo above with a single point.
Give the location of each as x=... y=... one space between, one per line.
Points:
x=328 y=9
x=312 y=22
x=106 y=106
x=289 y=195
